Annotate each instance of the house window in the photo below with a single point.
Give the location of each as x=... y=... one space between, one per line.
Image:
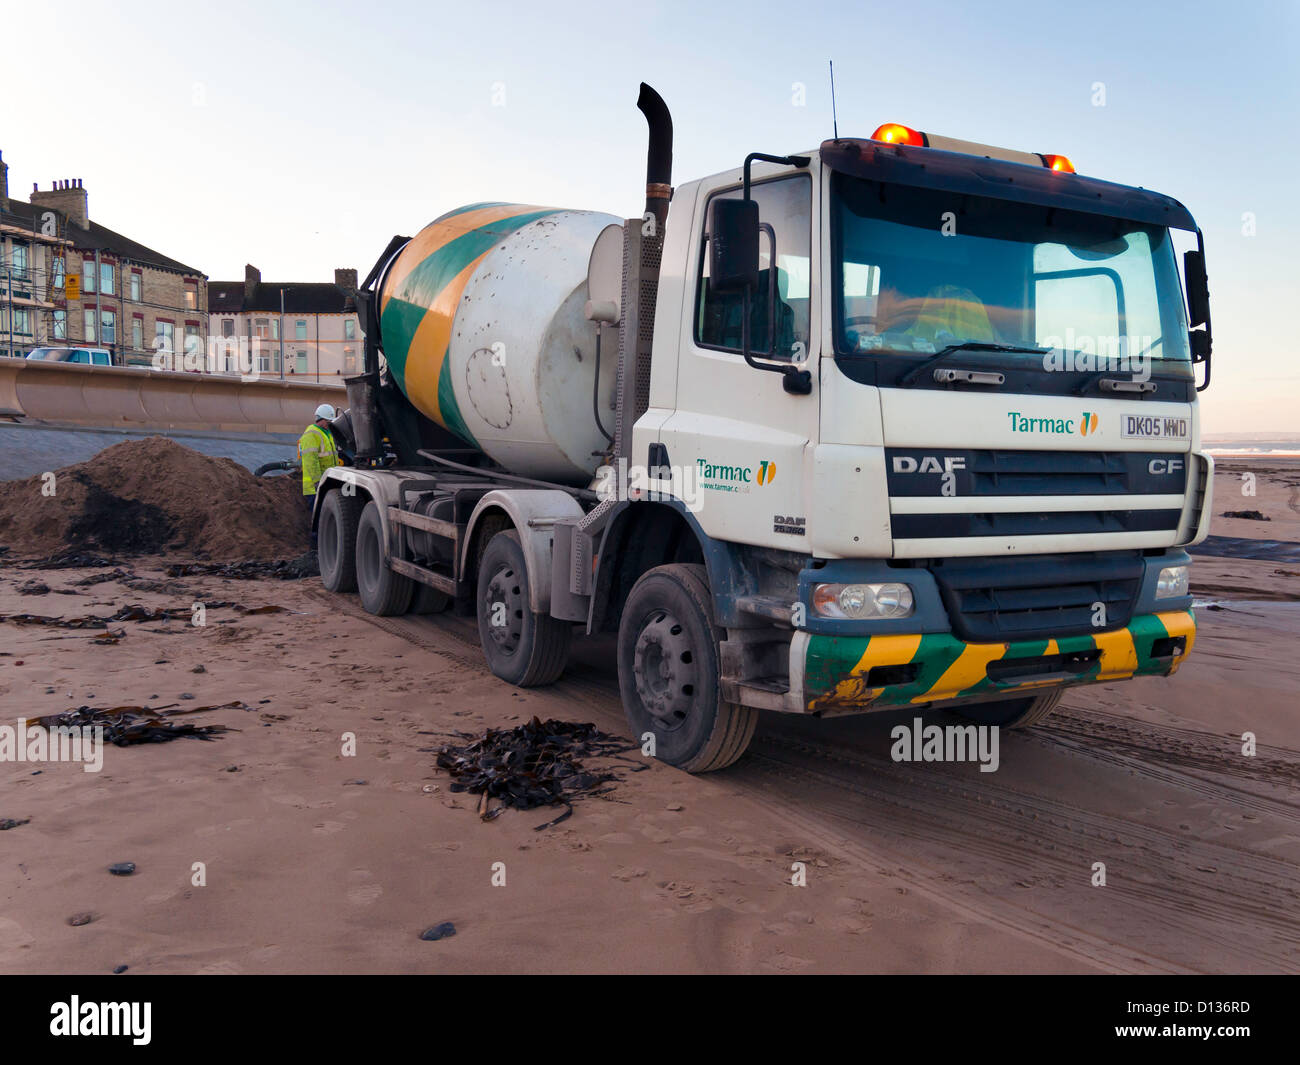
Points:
x=350 y=329
x=22 y=321
x=88 y=275
x=275 y=328
x=106 y=278
x=136 y=285
x=227 y=327
x=20 y=262
x=262 y=328
x=349 y=360
x=164 y=334
x=192 y=343
x=137 y=333
x=60 y=325
x=300 y=362
x=191 y=295
x=56 y=273
x=300 y=329
x=88 y=323
x=108 y=327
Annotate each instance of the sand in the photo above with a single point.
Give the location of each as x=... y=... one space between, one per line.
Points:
x=317 y=861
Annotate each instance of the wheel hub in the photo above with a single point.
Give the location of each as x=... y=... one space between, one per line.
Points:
x=665 y=670
x=503 y=606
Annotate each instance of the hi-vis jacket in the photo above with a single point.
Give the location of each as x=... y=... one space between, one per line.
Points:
x=317 y=453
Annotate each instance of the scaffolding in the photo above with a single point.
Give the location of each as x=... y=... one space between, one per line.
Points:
x=31 y=288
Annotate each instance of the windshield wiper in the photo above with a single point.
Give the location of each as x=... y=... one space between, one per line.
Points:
x=975 y=376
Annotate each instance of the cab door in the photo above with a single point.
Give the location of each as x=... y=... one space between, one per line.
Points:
x=736 y=440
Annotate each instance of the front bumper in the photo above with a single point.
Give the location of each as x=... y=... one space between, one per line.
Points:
x=852 y=674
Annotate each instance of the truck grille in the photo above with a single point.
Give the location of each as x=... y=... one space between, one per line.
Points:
x=1051 y=523
x=1038 y=596
x=917 y=473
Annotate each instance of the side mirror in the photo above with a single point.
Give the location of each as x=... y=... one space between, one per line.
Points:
x=1198 y=288
x=1198 y=306
x=733 y=245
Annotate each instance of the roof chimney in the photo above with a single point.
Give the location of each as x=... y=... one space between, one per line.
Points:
x=68 y=198
x=252 y=278
x=346 y=280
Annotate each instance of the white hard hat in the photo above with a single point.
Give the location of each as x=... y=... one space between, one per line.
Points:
x=325 y=411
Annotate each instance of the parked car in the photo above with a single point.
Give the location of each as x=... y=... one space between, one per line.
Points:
x=84 y=356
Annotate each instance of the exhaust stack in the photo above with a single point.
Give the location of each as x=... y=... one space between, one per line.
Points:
x=659 y=156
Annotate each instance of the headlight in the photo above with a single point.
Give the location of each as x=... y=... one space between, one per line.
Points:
x=863 y=602
x=1172 y=582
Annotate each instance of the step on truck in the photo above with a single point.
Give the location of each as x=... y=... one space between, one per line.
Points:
x=904 y=421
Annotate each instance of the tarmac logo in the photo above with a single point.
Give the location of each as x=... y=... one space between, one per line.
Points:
x=1088 y=424
x=1021 y=423
x=734 y=478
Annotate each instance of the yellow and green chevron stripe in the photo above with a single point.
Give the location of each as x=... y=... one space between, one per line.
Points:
x=836 y=668
x=417 y=306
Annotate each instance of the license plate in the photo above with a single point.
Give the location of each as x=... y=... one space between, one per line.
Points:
x=1154 y=427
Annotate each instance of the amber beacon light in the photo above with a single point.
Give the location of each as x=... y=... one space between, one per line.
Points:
x=896 y=133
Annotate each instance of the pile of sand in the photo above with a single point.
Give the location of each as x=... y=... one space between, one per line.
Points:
x=154 y=496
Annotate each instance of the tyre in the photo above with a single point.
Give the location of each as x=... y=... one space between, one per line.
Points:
x=428 y=600
x=668 y=672
x=383 y=592
x=522 y=647
x=1013 y=713
x=336 y=541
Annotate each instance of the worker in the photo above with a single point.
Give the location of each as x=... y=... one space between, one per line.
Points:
x=317 y=452
x=952 y=314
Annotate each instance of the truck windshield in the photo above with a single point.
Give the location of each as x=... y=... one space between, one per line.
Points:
x=918 y=270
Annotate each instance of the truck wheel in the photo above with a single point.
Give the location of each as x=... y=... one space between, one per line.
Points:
x=336 y=541
x=1013 y=713
x=668 y=672
x=383 y=592
x=522 y=647
x=428 y=600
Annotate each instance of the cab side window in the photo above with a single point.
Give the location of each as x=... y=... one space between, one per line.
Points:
x=786 y=205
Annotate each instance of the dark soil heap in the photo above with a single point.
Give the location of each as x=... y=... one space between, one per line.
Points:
x=155 y=496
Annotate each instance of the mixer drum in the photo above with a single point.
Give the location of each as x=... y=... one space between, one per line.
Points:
x=482 y=325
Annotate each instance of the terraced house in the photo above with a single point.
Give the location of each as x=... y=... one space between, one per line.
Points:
x=75 y=281
x=298 y=328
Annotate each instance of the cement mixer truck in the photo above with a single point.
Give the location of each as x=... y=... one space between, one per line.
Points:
x=900 y=422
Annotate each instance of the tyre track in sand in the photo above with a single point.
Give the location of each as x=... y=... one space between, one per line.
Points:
x=1015 y=848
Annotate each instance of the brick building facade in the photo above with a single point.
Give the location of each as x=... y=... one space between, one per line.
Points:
x=103 y=289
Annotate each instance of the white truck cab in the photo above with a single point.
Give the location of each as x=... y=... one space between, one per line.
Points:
x=994 y=463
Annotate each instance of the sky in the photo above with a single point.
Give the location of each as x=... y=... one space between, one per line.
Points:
x=300 y=138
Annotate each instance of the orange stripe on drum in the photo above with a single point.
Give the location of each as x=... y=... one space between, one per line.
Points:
x=432 y=337
x=439 y=234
